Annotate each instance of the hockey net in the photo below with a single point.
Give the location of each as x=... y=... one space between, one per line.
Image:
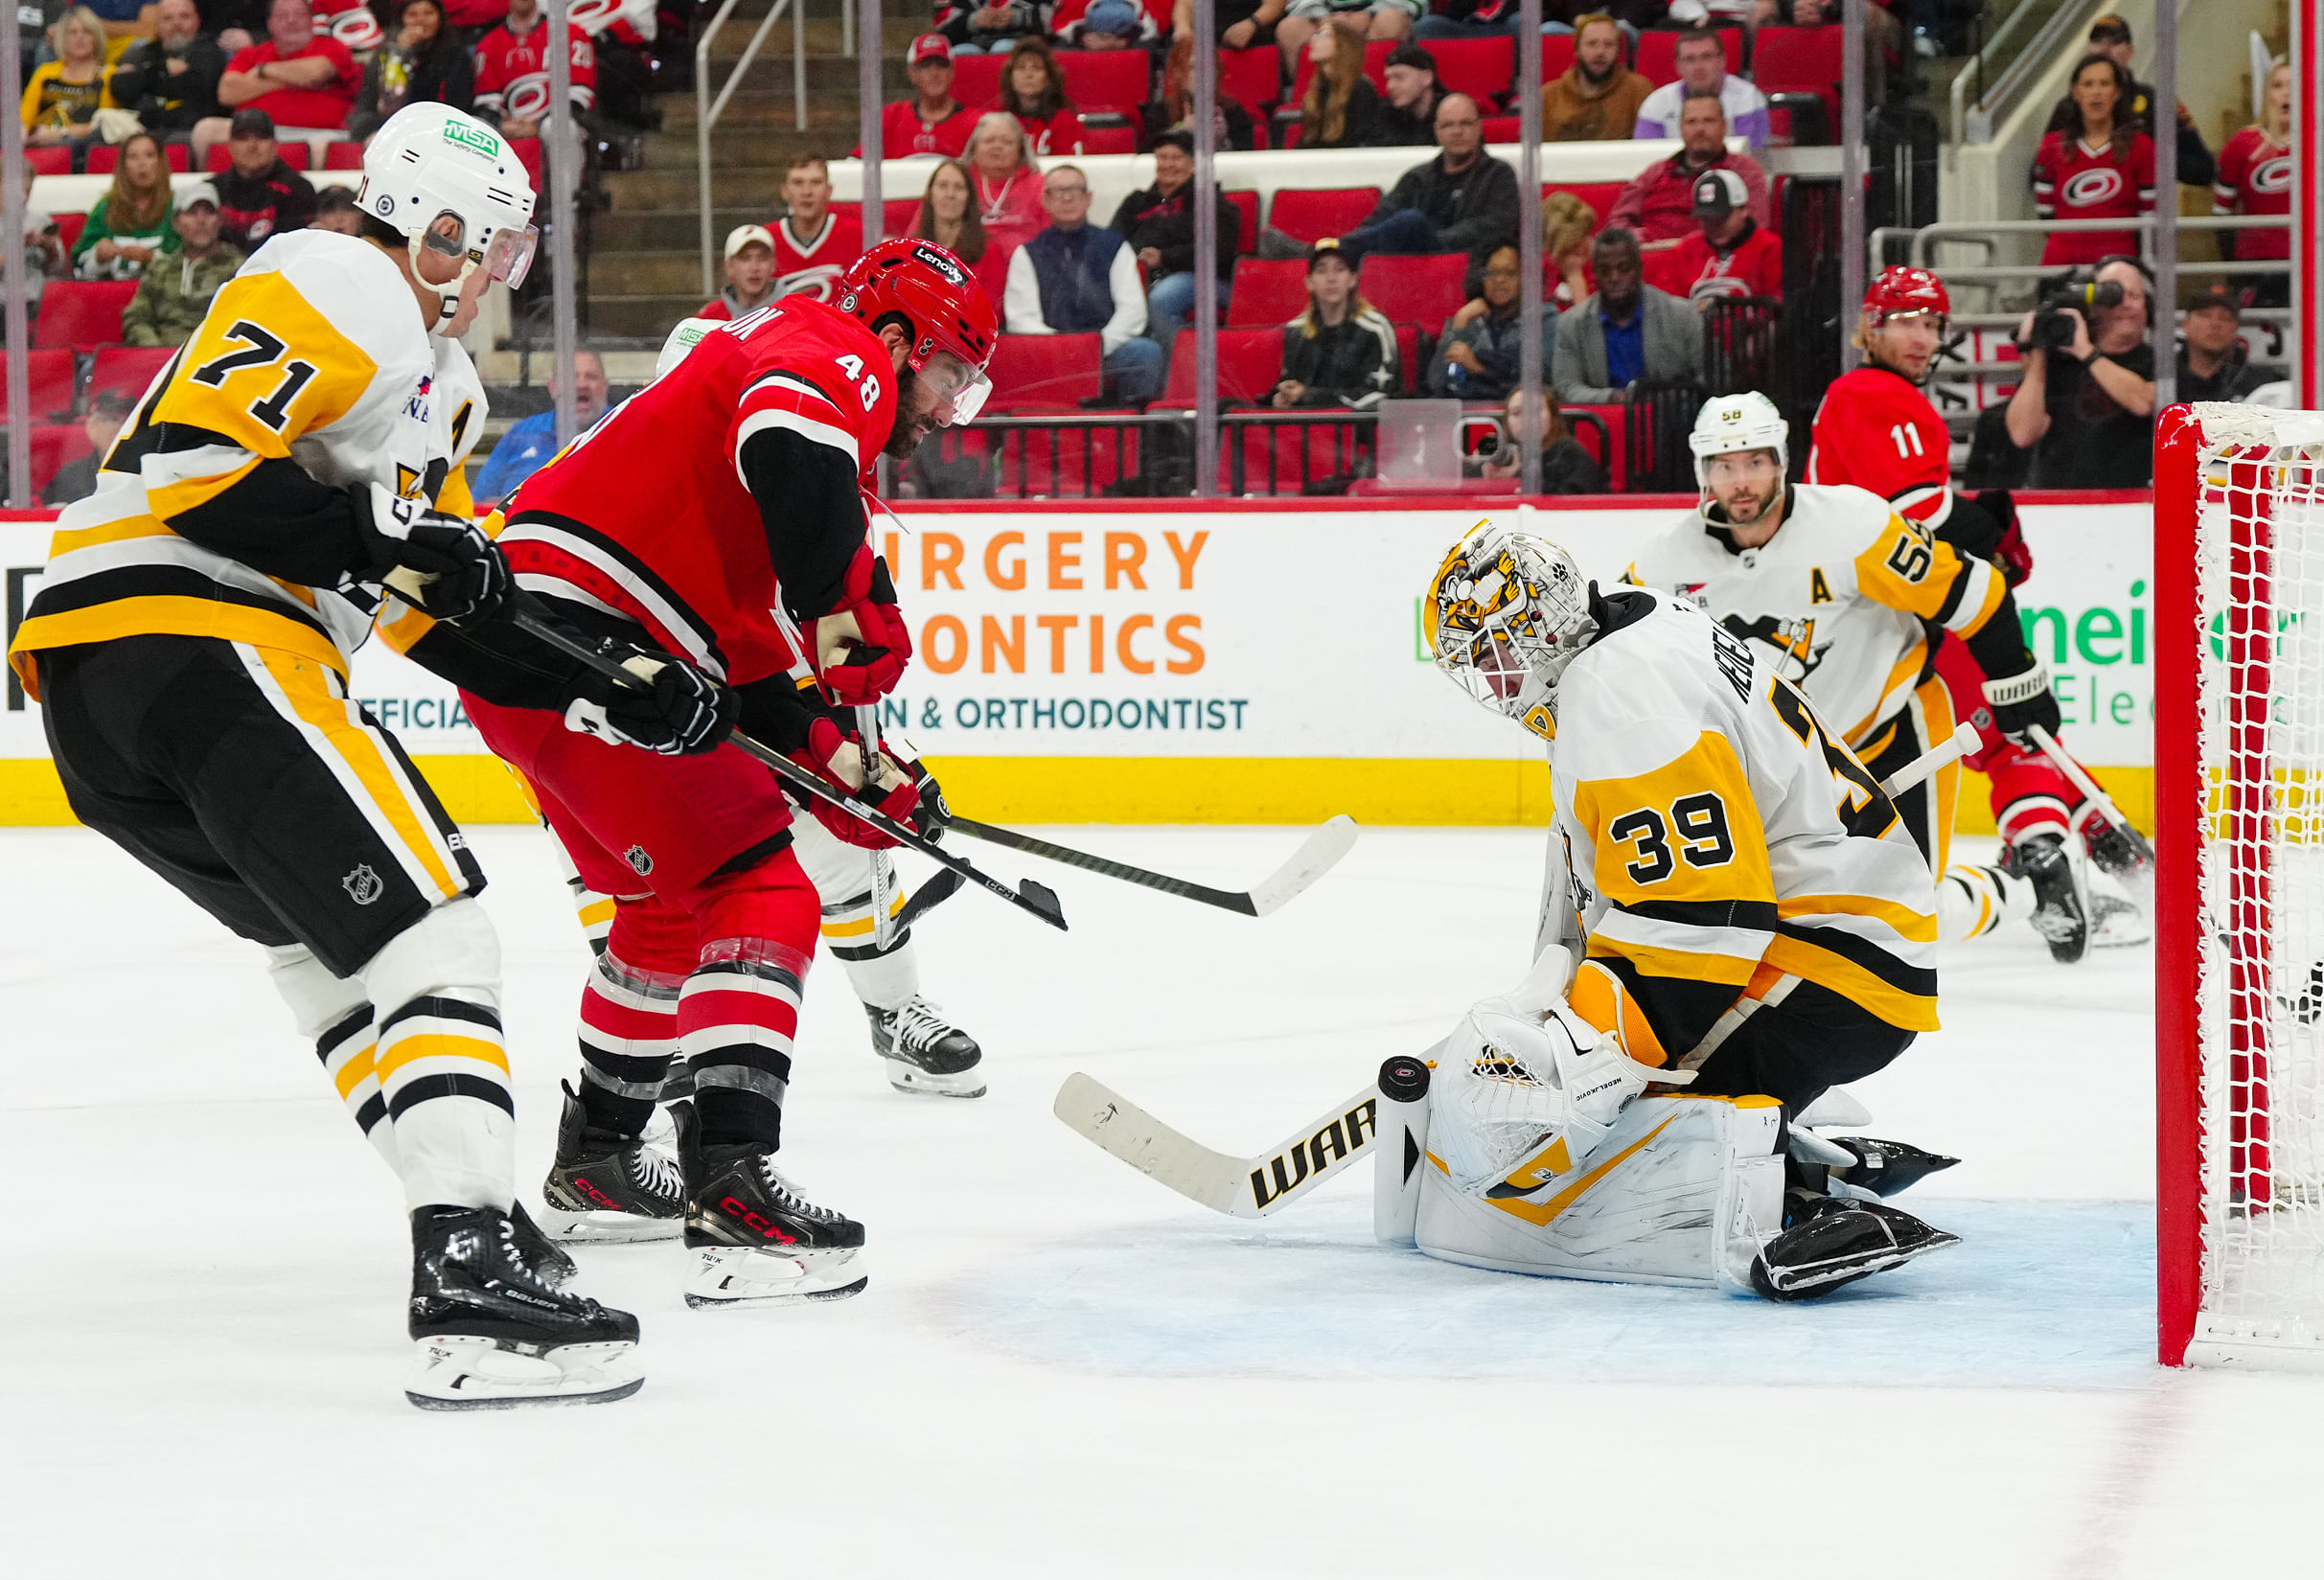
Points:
x=2240 y=815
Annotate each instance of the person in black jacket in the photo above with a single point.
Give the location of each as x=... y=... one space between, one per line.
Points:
x=171 y=79
x=1460 y=201
x=1341 y=352
x=1409 y=117
x=1159 y=224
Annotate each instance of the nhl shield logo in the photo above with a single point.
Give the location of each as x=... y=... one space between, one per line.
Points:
x=362 y=886
x=639 y=862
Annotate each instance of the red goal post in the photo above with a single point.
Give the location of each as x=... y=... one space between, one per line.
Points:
x=2238 y=760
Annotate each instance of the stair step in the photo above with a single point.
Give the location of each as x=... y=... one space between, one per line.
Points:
x=641 y=315
x=666 y=230
x=670 y=273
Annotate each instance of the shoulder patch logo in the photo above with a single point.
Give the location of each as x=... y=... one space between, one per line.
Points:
x=639 y=862
x=362 y=886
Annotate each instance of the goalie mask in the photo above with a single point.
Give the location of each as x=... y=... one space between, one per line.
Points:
x=431 y=163
x=1509 y=612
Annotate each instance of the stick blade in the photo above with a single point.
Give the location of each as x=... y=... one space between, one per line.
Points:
x=1321 y=852
x=1117 y=1126
x=1044 y=901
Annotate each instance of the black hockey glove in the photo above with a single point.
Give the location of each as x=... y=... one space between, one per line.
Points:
x=457 y=575
x=680 y=712
x=2020 y=703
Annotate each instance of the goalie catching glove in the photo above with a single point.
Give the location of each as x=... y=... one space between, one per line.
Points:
x=461 y=575
x=862 y=646
x=676 y=711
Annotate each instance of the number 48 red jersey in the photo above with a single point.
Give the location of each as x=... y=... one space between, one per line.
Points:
x=1876 y=431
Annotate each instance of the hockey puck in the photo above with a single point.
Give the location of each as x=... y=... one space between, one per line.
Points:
x=1403 y=1079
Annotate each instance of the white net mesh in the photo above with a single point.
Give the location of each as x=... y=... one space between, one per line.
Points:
x=2260 y=1002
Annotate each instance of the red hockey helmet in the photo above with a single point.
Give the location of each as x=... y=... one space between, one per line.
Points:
x=1902 y=290
x=938 y=298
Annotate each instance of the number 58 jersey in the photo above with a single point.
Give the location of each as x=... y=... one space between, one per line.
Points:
x=220 y=510
x=1719 y=838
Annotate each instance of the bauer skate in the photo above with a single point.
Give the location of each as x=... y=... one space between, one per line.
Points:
x=609 y=1188
x=493 y=1334
x=755 y=1241
x=923 y=1052
x=2061 y=895
x=1831 y=1241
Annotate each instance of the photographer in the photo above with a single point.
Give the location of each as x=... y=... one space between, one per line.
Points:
x=2086 y=405
x=1566 y=466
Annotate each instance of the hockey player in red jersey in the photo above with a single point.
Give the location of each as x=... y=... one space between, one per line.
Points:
x=747 y=556
x=1877 y=430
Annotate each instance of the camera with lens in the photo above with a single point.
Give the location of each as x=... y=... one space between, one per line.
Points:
x=2053 y=327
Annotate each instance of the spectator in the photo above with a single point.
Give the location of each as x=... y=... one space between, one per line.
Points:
x=1730 y=253
x=513 y=71
x=948 y=216
x=2255 y=177
x=1623 y=332
x=1341 y=109
x=1486 y=19
x=63 y=95
x=1229 y=121
x=1006 y=182
x=2087 y=409
x=1365 y=19
x=813 y=243
x=1076 y=278
x=1032 y=89
x=529 y=442
x=1702 y=68
x=1159 y=224
x=175 y=291
x=2093 y=164
x=1596 y=99
x=258 y=193
x=334 y=210
x=422 y=63
x=43 y=245
x=1106 y=25
x=1341 y=352
x=621 y=41
x=978 y=28
x=1409 y=120
x=298 y=79
x=470 y=17
x=931 y=121
x=1568 y=226
x=1241 y=24
x=2212 y=364
x=122 y=20
x=2110 y=36
x=129 y=225
x=749 y=274
x=170 y=81
x=1566 y=467
x=1460 y=201
x=109 y=412
x=1484 y=347
x=1659 y=204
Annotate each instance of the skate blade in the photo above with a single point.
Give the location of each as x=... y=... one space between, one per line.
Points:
x=462 y=1373
x=749 y=1275
x=1848 y=1270
x=911 y=1078
x=599 y=1227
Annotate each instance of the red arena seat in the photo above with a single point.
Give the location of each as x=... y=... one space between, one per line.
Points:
x=83 y=313
x=1600 y=195
x=1246 y=205
x=1423 y=288
x=1408 y=355
x=50 y=161
x=54 y=447
x=104 y=156
x=1104 y=81
x=127 y=370
x=1058 y=371
x=1267 y=290
x=343 y=156
x=1252 y=78
x=1800 y=61
x=1557 y=55
x=1109 y=140
x=1503 y=128
x=1249 y=365
x=977 y=80
x=1311 y=215
x=69 y=227
x=1658 y=53
x=1485 y=69
x=53 y=375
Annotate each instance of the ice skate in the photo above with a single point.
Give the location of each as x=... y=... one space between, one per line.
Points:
x=1838 y=1239
x=925 y=1052
x=556 y=1270
x=493 y=1334
x=756 y=1241
x=2062 y=910
x=609 y=1188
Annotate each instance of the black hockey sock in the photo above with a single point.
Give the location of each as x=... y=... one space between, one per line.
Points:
x=732 y=1116
x=612 y=1111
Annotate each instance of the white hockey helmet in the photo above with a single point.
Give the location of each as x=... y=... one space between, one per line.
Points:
x=682 y=339
x=1508 y=612
x=1729 y=424
x=431 y=160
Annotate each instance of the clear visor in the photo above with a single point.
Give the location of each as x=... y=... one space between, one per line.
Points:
x=509 y=255
x=956 y=390
x=970 y=401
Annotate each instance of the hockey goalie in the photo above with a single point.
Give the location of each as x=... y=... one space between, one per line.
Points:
x=1736 y=921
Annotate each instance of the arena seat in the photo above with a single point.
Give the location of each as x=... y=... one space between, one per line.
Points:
x=294 y=152
x=1246 y=206
x=1252 y=78
x=347 y=154
x=1787 y=59
x=977 y=80
x=1110 y=140
x=1267 y=290
x=69 y=227
x=1057 y=371
x=1249 y=365
x=1658 y=54
x=1407 y=357
x=1503 y=128
x=1423 y=288
x=1600 y=195
x=127 y=370
x=1557 y=55
x=1485 y=69
x=54 y=447
x=1600 y=433
x=52 y=374
x=1311 y=213
x=83 y=313
x=1067 y=462
x=50 y=161
x=1104 y=81
x=105 y=156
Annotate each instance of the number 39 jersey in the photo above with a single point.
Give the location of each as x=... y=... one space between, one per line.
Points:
x=1840 y=593
x=1718 y=839
x=312 y=367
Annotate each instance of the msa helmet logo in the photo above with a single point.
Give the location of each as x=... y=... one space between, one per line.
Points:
x=473 y=138
x=2091 y=186
x=362 y=886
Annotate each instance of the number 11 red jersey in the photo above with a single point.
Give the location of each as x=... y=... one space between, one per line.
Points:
x=1876 y=431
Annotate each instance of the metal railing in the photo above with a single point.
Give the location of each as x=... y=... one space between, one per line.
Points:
x=707 y=110
x=1974 y=124
x=1985 y=232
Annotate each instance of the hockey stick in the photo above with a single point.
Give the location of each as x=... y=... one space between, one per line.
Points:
x=2081 y=780
x=1321 y=852
x=1242 y=1188
x=883 y=869
x=1037 y=898
x=1960 y=744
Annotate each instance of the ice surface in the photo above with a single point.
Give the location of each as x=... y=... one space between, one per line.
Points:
x=1061 y=1368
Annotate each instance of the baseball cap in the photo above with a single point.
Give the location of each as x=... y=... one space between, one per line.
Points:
x=1718 y=194
x=2220 y=295
x=743 y=235
x=251 y=124
x=2109 y=29
x=930 y=46
x=1326 y=246
x=1411 y=55
x=197 y=192
x=1118 y=17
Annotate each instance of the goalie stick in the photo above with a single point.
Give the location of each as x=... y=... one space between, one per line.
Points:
x=1318 y=856
x=1242 y=1188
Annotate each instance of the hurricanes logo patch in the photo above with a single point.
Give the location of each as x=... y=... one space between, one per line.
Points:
x=362 y=886
x=2272 y=174
x=639 y=862
x=2086 y=187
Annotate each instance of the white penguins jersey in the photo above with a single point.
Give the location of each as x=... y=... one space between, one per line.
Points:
x=1717 y=838
x=1840 y=593
x=217 y=511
